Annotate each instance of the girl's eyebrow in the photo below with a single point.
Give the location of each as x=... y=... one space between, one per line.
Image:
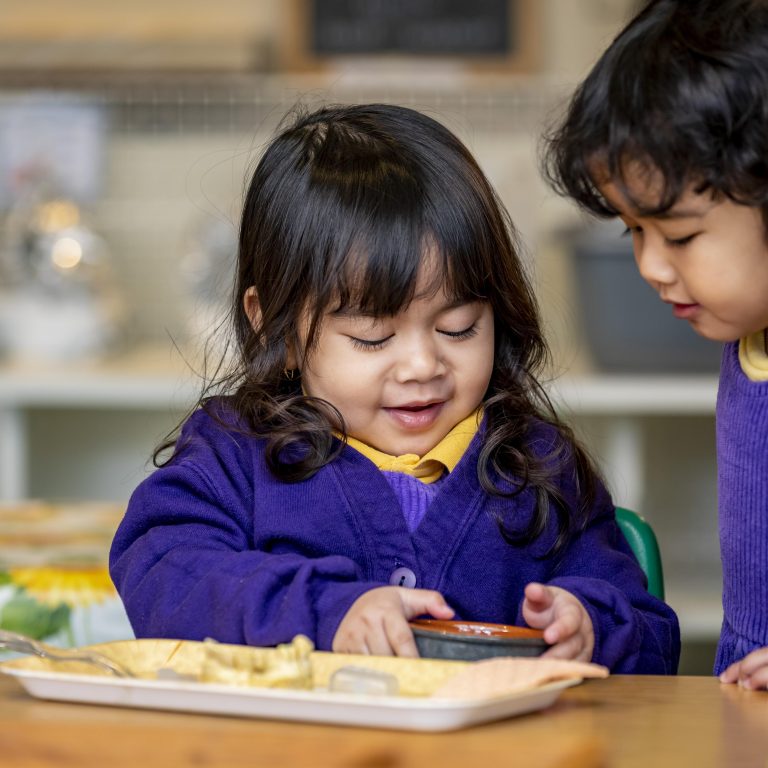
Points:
x=352 y=312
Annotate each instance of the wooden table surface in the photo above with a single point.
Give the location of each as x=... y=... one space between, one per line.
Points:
x=621 y=721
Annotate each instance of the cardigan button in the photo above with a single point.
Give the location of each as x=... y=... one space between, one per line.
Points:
x=403 y=577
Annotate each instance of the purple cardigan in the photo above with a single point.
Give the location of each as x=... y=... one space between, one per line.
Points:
x=213 y=545
x=742 y=480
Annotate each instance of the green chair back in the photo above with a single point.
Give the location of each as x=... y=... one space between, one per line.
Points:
x=643 y=542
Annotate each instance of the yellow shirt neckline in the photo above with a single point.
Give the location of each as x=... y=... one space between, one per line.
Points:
x=753 y=356
x=429 y=467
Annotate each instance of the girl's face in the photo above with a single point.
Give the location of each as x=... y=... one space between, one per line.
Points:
x=706 y=257
x=403 y=382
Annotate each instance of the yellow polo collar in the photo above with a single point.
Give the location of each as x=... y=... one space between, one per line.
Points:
x=428 y=468
x=754 y=357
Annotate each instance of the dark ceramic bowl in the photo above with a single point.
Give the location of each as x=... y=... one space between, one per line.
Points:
x=471 y=640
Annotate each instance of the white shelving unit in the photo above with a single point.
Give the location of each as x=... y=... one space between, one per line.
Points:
x=148 y=378
x=627 y=399
x=145 y=379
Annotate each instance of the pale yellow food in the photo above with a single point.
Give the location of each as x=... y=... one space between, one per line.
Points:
x=503 y=676
x=297 y=665
x=287 y=666
x=415 y=677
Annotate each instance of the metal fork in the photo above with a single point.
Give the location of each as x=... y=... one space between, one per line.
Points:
x=23 y=644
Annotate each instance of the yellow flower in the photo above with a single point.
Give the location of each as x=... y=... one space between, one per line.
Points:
x=74 y=585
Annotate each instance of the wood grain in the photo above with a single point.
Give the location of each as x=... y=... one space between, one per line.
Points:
x=620 y=722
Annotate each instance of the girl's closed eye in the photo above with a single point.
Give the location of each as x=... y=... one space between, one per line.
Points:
x=465 y=333
x=369 y=344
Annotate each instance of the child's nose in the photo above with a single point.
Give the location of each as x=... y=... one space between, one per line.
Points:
x=420 y=360
x=654 y=263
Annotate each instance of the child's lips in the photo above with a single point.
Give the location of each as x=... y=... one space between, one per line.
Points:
x=416 y=415
x=684 y=311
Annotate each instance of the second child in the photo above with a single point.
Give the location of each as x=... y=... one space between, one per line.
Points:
x=668 y=132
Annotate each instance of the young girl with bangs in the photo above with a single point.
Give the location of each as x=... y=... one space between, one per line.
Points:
x=382 y=449
x=669 y=133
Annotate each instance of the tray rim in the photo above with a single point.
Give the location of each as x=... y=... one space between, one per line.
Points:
x=313 y=706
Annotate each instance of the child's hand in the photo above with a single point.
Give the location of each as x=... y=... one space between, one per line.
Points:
x=751 y=672
x=566 y=623
x=377 y=622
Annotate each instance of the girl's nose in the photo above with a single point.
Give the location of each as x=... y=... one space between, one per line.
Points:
x=420 y=361
x=653 y=263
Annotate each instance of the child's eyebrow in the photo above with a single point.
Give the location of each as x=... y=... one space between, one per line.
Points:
x=680 y=213
x=353 y=312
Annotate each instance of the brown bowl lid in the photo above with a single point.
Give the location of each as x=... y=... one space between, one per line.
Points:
x=477 y=629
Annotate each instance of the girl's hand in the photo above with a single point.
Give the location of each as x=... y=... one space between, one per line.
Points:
x=377 y=622
x=751 y=672
x=566 y=623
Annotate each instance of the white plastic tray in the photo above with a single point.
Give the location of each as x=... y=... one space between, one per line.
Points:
x=318 y=706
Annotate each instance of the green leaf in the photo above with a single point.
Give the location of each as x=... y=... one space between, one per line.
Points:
x=24 y=614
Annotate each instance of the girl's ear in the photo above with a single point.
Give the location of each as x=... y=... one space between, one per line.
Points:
x=252 y=308
x=253 y=312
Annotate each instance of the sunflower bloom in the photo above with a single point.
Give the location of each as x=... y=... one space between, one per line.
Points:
x=72 y=585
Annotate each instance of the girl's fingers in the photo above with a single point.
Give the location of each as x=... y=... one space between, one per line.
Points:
x=377 y=642
x=399 y=637
x=572 y=648
x=563 y=627
x=351 y=644
x=538 y=608
x=538 y=595
x=419 y=601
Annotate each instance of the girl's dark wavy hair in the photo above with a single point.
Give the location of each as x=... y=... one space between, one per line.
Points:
x=340 y=211
x=682 y=90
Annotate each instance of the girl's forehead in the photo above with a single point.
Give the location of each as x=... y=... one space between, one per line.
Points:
x=383 y=293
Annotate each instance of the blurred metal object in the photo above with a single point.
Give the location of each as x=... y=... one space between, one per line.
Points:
x=207 y=270
x=58 y=300
x=28 y=645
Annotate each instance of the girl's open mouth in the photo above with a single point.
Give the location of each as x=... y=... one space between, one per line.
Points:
x=417 y=415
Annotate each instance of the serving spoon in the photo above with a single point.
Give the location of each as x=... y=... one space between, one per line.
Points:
x=13 y=641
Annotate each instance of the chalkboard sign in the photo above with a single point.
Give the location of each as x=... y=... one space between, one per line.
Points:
x=499 y=33
x=412 y=27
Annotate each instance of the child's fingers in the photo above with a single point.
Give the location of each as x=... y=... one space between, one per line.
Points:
x=538 y=610
x=572 y=649
x=564 y=626
x=752 y=662
x=538 y=595
x=352 y=642
x=419 y=601
x=731 y=674
x=399 y=637
x=757 y=681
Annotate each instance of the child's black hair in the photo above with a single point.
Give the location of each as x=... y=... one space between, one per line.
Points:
x=341 y=210
x=682 y=91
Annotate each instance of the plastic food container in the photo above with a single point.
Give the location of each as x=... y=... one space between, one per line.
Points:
x=470 y=641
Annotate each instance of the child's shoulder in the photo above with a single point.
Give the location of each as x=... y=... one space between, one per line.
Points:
x=215 y=426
